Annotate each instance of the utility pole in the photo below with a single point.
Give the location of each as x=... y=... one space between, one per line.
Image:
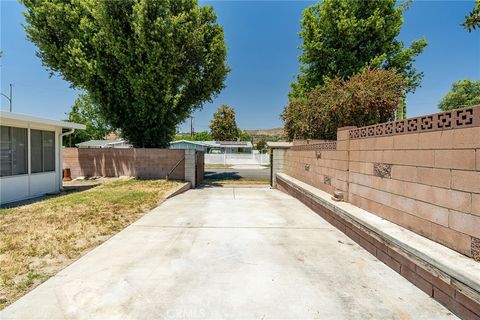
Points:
x=191 y=126
x=9 y=97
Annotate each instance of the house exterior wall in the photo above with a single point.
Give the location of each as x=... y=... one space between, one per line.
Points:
x=24 y=186
x=421 y=173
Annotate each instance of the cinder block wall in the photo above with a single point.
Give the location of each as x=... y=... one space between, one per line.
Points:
x=141 y=163
x=323 y=165
x=421 y=173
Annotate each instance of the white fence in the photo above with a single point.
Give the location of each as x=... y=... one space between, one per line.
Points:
x=237 y=158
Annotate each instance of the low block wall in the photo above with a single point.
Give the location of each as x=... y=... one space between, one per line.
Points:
x=421 y=173
x=455 y=291
x=141 y=163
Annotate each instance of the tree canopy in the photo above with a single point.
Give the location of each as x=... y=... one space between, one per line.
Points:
x=84 y=111
x=223 y=125
x=147 y=64
x=366 y=98
x=342 y=37
x=464 y=93
x=472 y=21
x=261 y=145
x=243 y=135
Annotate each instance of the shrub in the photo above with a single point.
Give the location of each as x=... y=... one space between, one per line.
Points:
x=369 y=97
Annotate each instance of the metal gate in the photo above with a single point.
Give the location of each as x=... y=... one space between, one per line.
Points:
x=199 y=167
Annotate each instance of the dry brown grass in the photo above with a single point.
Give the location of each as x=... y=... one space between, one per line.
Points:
x=39 y=239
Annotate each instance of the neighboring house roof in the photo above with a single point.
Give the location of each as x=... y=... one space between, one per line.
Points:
x=279 y=145
x=102 y=143
x=33 y=119
x=230 y=144
x=217 y=144
x=198 y=143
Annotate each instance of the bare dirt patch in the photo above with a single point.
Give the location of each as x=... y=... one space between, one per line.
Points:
x=39 y=239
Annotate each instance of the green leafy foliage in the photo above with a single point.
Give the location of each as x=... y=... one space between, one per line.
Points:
x=369 y=97
x=84 y=111
x=244 y=136
x=147 y=64
x=261 y=145
x=472 y=21
x=224 y=126
x=342 y=37
x=464 y=93
x=199 y=136
x=202 y=136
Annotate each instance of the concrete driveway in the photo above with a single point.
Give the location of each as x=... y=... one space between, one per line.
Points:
x=243 y=253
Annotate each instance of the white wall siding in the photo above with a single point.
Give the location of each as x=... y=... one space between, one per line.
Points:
x=42 y=183
x=14 y=188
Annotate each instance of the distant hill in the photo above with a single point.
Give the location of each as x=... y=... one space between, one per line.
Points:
x=277 y=132
x=274 y=134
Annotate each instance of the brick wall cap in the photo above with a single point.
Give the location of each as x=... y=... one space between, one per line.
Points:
x=452 y=263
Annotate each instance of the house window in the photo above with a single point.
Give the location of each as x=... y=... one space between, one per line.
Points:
x=43 y=150
x=13 y=151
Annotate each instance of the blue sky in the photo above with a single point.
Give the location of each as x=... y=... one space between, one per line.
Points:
x=262 y=39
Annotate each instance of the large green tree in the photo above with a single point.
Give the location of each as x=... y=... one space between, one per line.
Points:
x=146 y=63
x=342 y=37
x=84 y=111
x=223 y=125
x=464 y=93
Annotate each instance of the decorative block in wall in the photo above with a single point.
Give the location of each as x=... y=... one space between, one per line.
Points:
x=327 y=180
x=476 y=248
x=330 y=145
x=382 y=170
x=453 y=119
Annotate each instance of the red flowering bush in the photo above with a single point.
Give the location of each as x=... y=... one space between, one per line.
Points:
x=369 y=97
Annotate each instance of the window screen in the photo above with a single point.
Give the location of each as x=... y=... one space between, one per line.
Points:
x=48 y=151
x=37 y=151
x=5 y=151
x=43 y=151
x=19 y=151
x=13 y=151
